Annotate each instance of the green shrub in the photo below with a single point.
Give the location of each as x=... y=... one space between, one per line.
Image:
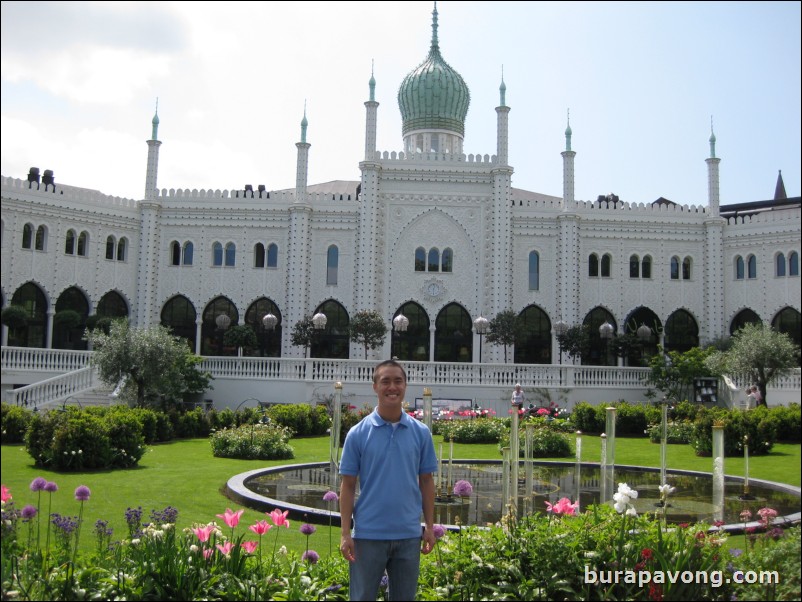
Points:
x=630 y=419
x=756 y=424
x=486 y=430
x=14 y=422
x=587 y=419
x=303 y=419
x=253 y=442
x=126 y=439
x=676 y=432
x=191 y=424
x=782 y=556
x=789 y=423
x=546 y=443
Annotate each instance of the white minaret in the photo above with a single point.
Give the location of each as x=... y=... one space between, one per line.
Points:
x=371 y=119
x=568 y=261
x=502 y=124
x=712 y=175
x=365 y=274
x=299 y=246
x=713 y=262
x=499 y=290
x=151 y=176
x=568 y=170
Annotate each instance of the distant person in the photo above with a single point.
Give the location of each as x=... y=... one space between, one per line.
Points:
x=751 y=399
x=758 y=397
x=518 y=398
x=392 y=456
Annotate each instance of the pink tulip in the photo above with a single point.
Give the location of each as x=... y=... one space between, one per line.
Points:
x=207 y=553
x=563 y=506
x=279 y=518
x=249 y=546
x=203 y=533
x=261 y=527
x=225 y=549
x=6 y=493
x=231 y=518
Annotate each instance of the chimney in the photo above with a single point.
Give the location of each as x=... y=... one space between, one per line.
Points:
x=48 y=179
x=33 y=176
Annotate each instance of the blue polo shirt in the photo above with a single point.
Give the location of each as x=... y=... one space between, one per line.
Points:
x=388 y=460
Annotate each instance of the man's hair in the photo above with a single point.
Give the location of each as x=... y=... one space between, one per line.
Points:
x=389 y=363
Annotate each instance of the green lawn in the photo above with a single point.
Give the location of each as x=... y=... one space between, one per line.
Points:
x=184 y=474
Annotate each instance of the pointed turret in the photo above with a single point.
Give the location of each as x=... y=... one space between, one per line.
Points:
x=371 y=118
x=502 y=124
x=568 y=169
x=779 y=190
x=151 y=175
x=712 y=161
x=302 y=165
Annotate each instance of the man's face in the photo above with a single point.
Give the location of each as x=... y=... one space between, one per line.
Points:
x=390 y=385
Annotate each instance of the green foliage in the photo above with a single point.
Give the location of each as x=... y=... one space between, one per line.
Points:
x=789 y=423
x=504 y=329
x=302 y=419
x=675 y=377
x=240 y=335
x=628 y=345
x=367 y=328
x=158 y=367
x=481 y=430
x=780 y=552
x=676 y=432
x=758 y=424
x=303 y=333
x=96 y=322
x=15 y=422
x=253 y=442
x=14 y=316
x=758 y=352
x=587 y=419
x=69 y=318
x=575 y=341
x=546 y=443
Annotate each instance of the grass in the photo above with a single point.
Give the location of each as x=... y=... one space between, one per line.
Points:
x=184 y=474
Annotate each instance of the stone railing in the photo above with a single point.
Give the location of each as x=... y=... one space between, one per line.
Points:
x=52 y=390
x=33 y=359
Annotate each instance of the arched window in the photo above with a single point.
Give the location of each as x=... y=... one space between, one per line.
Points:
x=681 y=332
x=420 y=259
x=789 y=321
x=332 y=264
x=33 y=300
x=434 y=259
x=41 y=238
x=231 y=254
x=739 y=268
x=188 y=251
x=780 y=263
x=593 y=266
x=675 y=268
x=634 y=266
x=793 y=264
x=413 y=344
x=606 y=265
x=83 y=243
x=333 y=341
x=534 y=271
x=110 y=243
x=646 y=267
x=269 y=341
x=751 y=267
x=259 y=255
x=599 y=351
x=212 y=333
x=453 y=337
x=745 y=316
x=112 y=305
x=533 y=341
x=686 y=268
x=69 y=243
x=272 y=255
x=217 y=254
x=122 y=249
x=175 y=253
x=68 y=335
x=448 y=260
x=178 y=314
x=27 y=236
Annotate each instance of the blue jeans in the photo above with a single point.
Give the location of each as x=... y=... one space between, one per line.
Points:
x=401 y=559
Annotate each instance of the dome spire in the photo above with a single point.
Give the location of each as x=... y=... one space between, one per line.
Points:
x=155 y=132
x=503 y=88
x=304 y=123
x=712 y=140
x=435 y=43
x=568 y=132
x=372 y=83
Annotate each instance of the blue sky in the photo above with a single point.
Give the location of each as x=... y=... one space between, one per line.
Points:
x=642 y=80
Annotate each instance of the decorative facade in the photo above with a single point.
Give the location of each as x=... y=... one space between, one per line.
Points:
x=428 y=232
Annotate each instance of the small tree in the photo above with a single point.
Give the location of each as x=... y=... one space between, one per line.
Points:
x=303 y=333
x=240 y=336
x=575 y=341
x=158 y=366
x=759 y=352
x=14 y=316
x=367 y=328
x=675 y=376
x=504 y=329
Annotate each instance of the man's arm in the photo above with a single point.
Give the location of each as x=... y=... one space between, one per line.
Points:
x=347 y=496
x=426 y=484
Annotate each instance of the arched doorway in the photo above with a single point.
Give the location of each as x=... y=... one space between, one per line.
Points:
x=68 y=330
x=682 y=332
x=179 y=315
x=533 y=345
x=788 y=321
x=215 y=325
x=412 y=345
x=599 y=351
x=269 y=340
x=31 y=298
x=333 y=341
x=647 y=345
x=453 y=337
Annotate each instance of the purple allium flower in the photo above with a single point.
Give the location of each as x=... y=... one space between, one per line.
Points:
x=735 y=552
x=463 y=488
x=82 y=493
x=330 y=496
x=50 y=487
x=308 y=529
x=38 y=484
x=311 y=556
x=439 y=531
x=384 y=581
x=28 y=512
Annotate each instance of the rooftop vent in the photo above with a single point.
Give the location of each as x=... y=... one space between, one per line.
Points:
x=48 y=179
x=33 y=175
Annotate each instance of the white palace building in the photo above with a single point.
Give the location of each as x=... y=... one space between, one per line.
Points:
x=428 y=232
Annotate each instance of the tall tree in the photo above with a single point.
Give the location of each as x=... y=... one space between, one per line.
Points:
x=156 y=367
x=758 y=352
x=504 y=329
x=303 y=333
x=674 y=372
x=367 y=328
x=575 y=341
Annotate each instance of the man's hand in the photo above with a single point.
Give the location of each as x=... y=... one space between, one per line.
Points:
x=347 y=547
x=428 y=540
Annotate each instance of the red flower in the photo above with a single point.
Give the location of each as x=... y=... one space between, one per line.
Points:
x=646 y=553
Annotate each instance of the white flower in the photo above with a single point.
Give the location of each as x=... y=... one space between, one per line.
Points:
x=632 y=512
x=193 y=548
x=666 y=489
x=306 y=580
x=135 y=542
x=283 y=550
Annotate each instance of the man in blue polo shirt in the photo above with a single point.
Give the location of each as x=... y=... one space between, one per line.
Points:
x=392 y=456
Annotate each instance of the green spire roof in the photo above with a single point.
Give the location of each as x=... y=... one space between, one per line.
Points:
x=433 y=95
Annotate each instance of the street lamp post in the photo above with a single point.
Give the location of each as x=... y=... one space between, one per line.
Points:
x=400 y=324
x=269 y=321
x=606 y=332
x=480 y=324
